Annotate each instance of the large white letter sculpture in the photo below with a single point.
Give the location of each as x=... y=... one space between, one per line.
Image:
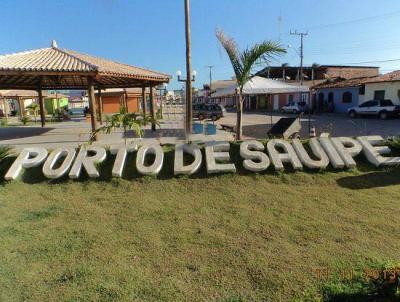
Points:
x=334 y=157
x=347 y=148
x=154 y=168
x=254 y=159
x=88 y=162
x=48 y=167
x=218 y=151
x=374 y=153
x=179 y=167
x=289 y=155
x=120 y=153
x=320 y=163
x=28 y=158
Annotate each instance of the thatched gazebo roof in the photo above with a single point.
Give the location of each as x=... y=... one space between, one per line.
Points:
x=56 y=68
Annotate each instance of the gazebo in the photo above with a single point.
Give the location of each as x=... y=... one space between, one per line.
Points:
x=54 y=68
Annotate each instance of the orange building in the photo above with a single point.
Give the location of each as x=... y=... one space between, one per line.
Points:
x=114 y=99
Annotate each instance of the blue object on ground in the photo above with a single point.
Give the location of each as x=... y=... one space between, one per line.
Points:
x=197 y=128
x=211 y=129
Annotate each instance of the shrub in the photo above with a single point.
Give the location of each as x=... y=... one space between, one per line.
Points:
x=25 y=120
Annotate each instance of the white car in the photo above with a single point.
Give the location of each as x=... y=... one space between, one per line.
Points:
x=381 y=108
x=295 y=108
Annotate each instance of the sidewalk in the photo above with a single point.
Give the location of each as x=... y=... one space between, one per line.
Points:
x=77 y=132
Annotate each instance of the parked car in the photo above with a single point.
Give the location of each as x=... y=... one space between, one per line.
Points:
x=208 y=111
x=76 y=112
x=381 y=108
x=295 y=107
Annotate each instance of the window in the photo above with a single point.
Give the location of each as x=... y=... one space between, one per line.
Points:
x=386 y=103
x=347 y=97
x=370 y=104
x=361 y=90
x=379 y=94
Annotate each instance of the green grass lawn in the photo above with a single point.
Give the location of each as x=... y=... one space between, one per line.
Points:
x=241 y=237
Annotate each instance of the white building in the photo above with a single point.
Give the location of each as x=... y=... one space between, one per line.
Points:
x=385 y=87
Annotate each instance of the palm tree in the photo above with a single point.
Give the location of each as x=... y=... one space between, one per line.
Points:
x=243 y=63
x=35 y=109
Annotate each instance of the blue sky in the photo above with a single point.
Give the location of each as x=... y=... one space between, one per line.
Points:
x=150 y=33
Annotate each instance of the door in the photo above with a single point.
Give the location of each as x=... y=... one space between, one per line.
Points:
x=276 y=102
x=253 y=102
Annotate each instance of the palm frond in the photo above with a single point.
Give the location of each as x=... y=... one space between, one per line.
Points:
x=260 y=53
x=5 y=151
x=232 y=50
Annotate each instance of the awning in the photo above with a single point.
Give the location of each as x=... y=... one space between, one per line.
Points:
x=260 y=85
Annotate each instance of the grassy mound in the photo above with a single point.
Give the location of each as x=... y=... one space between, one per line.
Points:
x=237 y=237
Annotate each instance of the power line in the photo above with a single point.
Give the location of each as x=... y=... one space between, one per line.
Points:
x=352 y=21
x=379 y=61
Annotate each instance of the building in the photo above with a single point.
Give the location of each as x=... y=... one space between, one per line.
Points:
x=318 y=72
x=338 y=95
x=78 y=102
x=115 y=99
x=261 y=93
x=341 y=94
x=54 y=102
x=18 y=101
x=383 y=87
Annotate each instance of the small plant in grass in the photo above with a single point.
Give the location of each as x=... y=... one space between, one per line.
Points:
x=3 y=123
x=5 y=151
x=25 y=120
x=126 y=122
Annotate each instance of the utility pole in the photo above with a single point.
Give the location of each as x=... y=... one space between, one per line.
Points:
x=301 y=34
x=188 y=70
x=210 y=67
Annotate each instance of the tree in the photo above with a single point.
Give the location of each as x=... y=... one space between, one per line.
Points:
x=243 y=63
x=126 y=122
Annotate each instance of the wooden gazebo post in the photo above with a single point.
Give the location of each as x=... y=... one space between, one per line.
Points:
x=100 y=105
x=21 y=107
x=152 y=108
x=144 y=101
x=5 y=104
x=41 y=105
x=92 y=107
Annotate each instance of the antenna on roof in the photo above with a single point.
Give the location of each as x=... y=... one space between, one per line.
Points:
x=54 y=44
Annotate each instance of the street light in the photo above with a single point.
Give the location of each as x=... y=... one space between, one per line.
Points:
x=179 y=76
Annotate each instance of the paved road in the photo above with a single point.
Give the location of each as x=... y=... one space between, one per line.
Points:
x=256 y=125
